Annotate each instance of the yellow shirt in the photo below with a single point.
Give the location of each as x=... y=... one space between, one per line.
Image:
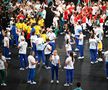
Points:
x=28 y=28
x=37 y=29
x=24 y=27
x=19 y=25
x=41 y=22
x=32 y=21
x=44 y=36
x=100 y=46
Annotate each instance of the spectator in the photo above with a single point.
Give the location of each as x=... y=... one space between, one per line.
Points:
x=78 y=86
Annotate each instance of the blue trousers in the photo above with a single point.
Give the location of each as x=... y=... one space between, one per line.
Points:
x=34 y=48
x=93 y=54
x=77 y=41
x=47 y=61
x=54 y=70
x=53 y=46
x=69 y=75
x=31 y=74
x=81 y=50
x=106 y=66
x=6 y=52
x=41 y=56
x=68 y=53
x=23 y=61
x=14 y=40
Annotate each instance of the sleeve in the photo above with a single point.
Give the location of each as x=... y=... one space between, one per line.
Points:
x=49 y=47
x=26 y=43
x=19 y=44
x=54 y=35
x=67 y=60
x=3 y=58
x=33 y=59
x=58 y=57
x=105 y=53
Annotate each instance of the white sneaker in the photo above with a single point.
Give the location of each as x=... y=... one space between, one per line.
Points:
x=106 y=77
x=28 y=81
x=76 y=49
x=92 y=62
x=27 y=67
x=52 y=81
x=21 y=69
x=96 y=61
x=71 y=84
x=33 y=83
x=66 y=85
x=82 y=57
x=9 y=53
x=79 y=57
x=8 y=58
x=57 y=81
x=3 y=84
x=100 y=60
x=48 y=67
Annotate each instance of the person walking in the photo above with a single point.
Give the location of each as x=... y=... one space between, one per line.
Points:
x=81 y=45
x=93 y=49
x=78 y=84
x=47 y=51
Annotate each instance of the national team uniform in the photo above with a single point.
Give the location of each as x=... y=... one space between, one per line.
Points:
x=40 y=50
x=93 y=50
x=106 y=63
x=33 y=39
x=69 y=71
x=22 y=53
x=52 y=38
x=81 y=46
x=6 y=48
x=32 y=67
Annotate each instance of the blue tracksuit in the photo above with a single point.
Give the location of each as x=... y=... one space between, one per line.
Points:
x=31 y=74
x=6 y=52
x=41 y=55
x=106 y=65
x=81 y=50
x=69 y=75
x=93 y=54
x=15 y=36
x=23 y=61
x=54 y=69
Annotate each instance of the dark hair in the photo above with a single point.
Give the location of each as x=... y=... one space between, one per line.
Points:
x=0 y=53
x=47 y=39
x=78 y=84
x=92 y=36
x=67 y=41
x=72 y=56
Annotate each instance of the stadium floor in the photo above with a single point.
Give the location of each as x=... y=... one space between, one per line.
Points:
x=92 y=77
